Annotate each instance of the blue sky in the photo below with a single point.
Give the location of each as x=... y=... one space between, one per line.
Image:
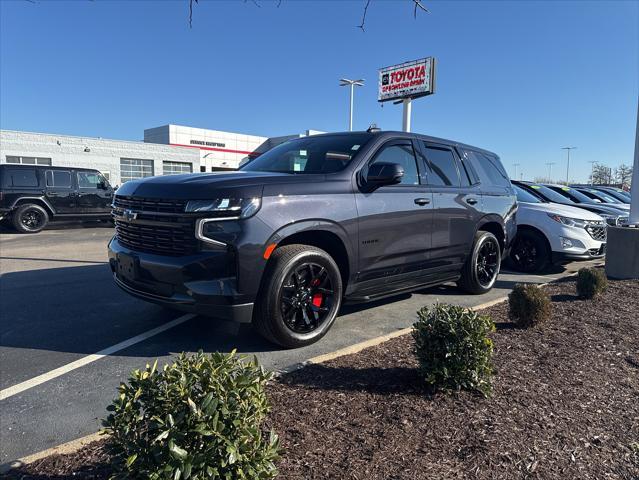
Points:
x=519 y=78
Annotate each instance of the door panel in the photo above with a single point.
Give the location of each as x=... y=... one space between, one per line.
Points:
x=456 y=208
x=60 y=191
x=92 y=198
x=394 y=223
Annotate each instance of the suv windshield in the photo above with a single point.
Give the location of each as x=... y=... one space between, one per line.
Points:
x=524 y=196
x=549 y=194
x=314 y=154
x=574 y=195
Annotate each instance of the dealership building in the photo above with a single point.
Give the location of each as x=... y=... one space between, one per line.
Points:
x=166 y=150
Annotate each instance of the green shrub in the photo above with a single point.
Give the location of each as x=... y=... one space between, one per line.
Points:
x=199 y=417
x=529 y=305
x=591 y=282
x=453 y=348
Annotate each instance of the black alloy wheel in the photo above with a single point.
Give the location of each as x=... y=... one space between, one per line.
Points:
x=30 y=218
x=481 y=269
x=300 y=296
x=306 y=297
x=487 y=263
x=529 y=252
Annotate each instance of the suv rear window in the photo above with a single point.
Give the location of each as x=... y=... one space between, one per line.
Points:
x=443 y=166
x=58 y=178
x=491 y=169
x=20 y=177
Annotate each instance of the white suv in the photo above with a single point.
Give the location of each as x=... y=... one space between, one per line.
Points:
x=554 y=233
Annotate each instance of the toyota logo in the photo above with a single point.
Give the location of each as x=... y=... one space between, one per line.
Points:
x=129 y=215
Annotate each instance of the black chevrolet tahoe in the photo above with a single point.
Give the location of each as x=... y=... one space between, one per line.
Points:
x=312 y=223
x=31 y=195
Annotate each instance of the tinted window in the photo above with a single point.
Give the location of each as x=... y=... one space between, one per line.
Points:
x=572 y=194
x=524 y=196
x=492 y=169
x=402 y=154
x=88 y=180
x=469 y=176
x=58 y=178
x=443 y=166
x=20 y=177
x=313 y=154
x=549 y=194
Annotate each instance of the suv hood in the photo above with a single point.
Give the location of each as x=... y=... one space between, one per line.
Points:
x=195 y=186
x=559 y=209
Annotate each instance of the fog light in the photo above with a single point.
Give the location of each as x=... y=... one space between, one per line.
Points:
x=566 y=242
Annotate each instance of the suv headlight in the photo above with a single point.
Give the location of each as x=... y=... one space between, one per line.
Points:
x=570 y=222
x=225 y=208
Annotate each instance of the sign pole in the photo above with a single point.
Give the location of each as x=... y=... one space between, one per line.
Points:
x=634 y=190
x=407 y=114
x=350 y=111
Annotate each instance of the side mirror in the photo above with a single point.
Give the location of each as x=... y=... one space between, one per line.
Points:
x=103 y=185
x=380 y=174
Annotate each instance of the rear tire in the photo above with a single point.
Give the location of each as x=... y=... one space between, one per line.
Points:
x=300 y=296
x=29 y=218
x=529 y=252
x=482 y=267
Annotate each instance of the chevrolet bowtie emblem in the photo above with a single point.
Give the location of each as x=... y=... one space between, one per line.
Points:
x=129 y=215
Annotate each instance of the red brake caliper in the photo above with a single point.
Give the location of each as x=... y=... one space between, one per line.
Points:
x=317 y=297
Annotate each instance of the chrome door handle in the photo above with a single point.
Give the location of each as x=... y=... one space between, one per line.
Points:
x=422 y=201
x=471 y=201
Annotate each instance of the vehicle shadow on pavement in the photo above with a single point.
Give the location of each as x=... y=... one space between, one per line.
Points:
x=79 y=309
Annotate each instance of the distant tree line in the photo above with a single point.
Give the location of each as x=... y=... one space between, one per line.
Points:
x=602 y=174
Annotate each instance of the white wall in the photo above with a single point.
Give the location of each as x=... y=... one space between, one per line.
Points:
x=217 y=149
x=103 y=155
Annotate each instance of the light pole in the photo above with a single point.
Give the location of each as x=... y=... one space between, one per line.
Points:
x=352 y=83
x=568 y=164
x=515 y=165
x=550 y=164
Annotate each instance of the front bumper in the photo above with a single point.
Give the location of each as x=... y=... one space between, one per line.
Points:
x=562 y=257
x=203 y=283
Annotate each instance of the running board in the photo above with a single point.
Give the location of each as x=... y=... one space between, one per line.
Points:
x=391 y=293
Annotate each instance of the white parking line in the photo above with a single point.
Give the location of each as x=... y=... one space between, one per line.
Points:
x=81 y=362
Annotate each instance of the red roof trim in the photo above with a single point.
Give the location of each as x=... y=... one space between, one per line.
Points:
x=227 y=150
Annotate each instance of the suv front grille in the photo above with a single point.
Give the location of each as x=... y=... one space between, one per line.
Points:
x=139 y=204
x=598 y=232
x=154 y=225
x=164 y=239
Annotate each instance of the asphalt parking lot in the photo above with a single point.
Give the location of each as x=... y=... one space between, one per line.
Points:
x=59 y=307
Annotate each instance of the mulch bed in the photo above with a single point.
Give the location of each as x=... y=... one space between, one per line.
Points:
x=565 y=405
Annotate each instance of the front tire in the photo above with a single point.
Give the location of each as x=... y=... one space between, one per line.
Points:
x=300 y=296
x=529 y=252
x=29 y=218
x=482 y=267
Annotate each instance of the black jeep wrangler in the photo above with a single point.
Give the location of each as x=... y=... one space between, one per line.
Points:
x=314 y=222
x=31 y=195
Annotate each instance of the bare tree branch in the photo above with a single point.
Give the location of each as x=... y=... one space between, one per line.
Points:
x=418 y=4
x=254 y=2
x=191 y=12
x=368 y=2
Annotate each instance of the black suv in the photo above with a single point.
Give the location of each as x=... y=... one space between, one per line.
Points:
x=31 y=195
x=313 y=222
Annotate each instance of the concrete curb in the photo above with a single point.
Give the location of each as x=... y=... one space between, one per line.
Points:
x=75 y=445
x=64 y=449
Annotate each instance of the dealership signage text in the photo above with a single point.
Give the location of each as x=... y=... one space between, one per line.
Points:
x=407 y=80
